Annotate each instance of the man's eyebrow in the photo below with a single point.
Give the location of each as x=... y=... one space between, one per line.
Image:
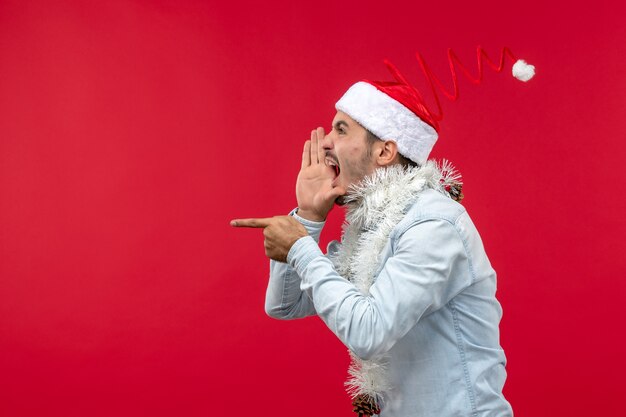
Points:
x=340 y=123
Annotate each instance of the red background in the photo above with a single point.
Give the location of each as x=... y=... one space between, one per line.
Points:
x=131 y=132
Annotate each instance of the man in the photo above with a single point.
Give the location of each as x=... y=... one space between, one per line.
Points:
x=409 y=290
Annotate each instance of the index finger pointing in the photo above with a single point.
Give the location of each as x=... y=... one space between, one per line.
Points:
x=256 y=223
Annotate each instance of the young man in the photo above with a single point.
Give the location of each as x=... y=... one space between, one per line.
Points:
x=409 y=290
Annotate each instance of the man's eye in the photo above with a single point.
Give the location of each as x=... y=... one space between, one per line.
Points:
x=339 y=129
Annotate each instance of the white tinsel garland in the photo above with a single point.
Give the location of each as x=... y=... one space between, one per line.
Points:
x=374 y=208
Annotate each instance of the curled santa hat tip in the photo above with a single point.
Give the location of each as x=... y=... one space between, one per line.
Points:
x=396 y=110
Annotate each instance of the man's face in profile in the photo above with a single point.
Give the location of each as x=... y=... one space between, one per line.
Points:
x=348 y=152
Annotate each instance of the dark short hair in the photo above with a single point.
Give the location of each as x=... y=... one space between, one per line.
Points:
x=404 y=161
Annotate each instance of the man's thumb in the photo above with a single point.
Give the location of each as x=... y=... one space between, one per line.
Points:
x=336 y=192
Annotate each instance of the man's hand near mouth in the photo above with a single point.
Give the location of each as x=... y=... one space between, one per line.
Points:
x=314 y=188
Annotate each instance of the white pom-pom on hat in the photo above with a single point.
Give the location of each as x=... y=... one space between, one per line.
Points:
x=523 y=71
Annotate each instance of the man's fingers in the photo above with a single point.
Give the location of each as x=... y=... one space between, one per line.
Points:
x=314 y=157
x=306 y=154
x=256 y=223
x=321 y=153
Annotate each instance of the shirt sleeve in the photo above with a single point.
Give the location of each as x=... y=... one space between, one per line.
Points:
x=284 y=299
x=428 y=267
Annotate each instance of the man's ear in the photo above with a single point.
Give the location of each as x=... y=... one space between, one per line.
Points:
x=386 y=153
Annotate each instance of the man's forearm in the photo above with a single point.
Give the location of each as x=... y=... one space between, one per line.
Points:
x=284 y=299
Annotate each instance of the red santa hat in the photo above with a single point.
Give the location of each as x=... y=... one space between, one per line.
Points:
x=395 y=110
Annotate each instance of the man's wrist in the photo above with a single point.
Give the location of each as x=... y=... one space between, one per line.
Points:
x=309 y=215
x=312 y=227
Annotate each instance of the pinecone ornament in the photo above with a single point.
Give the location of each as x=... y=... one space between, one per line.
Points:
x=456 y=191
x=451 y=180
x=365 y=406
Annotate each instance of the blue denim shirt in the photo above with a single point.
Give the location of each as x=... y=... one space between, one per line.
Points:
x=432 y=310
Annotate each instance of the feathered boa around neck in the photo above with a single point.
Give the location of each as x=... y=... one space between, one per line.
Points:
x=374 y=207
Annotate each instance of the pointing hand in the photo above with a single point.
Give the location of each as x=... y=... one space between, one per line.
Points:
x=280 y=232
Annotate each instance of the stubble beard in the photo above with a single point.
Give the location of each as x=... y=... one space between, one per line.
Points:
x=361 y=171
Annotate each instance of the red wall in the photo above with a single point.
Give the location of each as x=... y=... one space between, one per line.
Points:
x=131 y=132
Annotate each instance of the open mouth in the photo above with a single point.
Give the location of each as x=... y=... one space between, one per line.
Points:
x=334 y=165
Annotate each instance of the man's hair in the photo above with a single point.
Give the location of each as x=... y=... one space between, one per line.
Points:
x=404 y=161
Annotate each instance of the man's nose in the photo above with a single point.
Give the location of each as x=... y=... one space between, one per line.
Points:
x=327 y=142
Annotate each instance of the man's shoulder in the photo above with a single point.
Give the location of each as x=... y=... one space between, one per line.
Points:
x=432 y=204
